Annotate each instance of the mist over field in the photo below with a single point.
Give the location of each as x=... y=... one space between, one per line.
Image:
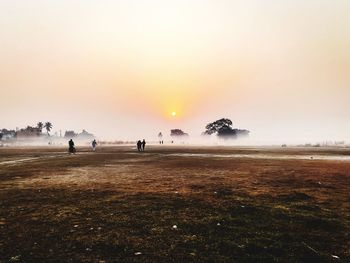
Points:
x=119 y=69
x=174 y=131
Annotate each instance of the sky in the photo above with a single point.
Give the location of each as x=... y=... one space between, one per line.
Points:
x=119 y=69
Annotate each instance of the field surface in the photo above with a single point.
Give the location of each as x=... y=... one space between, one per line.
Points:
x=175 y=204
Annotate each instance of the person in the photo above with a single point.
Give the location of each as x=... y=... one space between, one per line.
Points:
x=71 y=146
x=94 y=144
x=160 y=136
x=143 y=145
x=139 y=145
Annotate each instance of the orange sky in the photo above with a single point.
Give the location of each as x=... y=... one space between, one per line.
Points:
x=279 y=68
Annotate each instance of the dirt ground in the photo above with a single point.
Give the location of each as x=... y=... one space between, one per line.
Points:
x=175 y=204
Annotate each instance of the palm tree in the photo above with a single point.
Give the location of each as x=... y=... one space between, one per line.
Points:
x=40 y=126
x=48 y=127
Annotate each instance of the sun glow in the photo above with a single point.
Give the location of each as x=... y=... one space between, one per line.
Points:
x=173 y=114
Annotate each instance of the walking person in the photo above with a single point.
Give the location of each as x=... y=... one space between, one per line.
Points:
x=139 y=145
x=94 y=144
x=143 y=145
x=71 y=148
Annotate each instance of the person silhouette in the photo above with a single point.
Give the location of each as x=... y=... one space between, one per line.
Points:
x=94 y=144
x=139 y=145
x=143 y=145
x=160 y=136
x=71 y=146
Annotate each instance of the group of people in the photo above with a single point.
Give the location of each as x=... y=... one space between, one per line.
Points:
x=141 y=145
x=72 y=149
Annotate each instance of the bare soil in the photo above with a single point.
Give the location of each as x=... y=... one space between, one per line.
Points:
x=175 y=204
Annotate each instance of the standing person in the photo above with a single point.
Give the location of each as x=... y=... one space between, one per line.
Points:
x=94 y=144
x=139 y=145
x=143 y=145
x=160 y=136
x=71 y=146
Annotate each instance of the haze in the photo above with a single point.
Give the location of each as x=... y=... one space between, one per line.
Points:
x=121 y=68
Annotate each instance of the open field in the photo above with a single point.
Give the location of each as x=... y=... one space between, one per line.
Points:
x=228 y=205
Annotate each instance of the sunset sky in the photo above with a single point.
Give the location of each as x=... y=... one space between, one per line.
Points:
x=120 y=68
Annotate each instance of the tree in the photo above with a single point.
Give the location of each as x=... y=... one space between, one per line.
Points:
x=223 y=129
x=177 y=133
x=70 y=134
x=48 y=127
x=40 y=126
x=223 y=125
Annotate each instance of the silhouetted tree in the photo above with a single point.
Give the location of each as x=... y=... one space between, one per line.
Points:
x=70 y=134
x=214 y=127
x=223 y=129
x=86 y=135
x=40 y=125
x=7 y=133
x=29 y=131
x=48 y=127
x=177 y=133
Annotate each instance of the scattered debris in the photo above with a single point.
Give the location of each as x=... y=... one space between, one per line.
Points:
x=138 y=253
x=312 y=249
x=88 y=249
x=218 y=224
x=193 y=254
x=334 y=256
x=174 y=226
x=76 y=226
x=15 y=258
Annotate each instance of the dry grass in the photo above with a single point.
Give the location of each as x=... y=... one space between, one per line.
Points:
x=109 y=205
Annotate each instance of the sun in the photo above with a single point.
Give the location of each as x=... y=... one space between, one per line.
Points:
x=173 y=114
